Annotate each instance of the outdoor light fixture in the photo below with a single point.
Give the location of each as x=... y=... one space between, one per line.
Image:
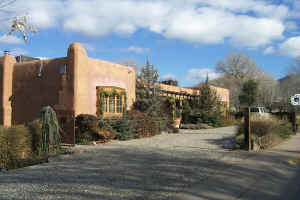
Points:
x=295 y=100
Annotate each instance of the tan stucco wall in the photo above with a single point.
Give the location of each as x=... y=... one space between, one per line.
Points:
x=30 y=92
x=110 y=74
x=92 y=73
x=6 y=89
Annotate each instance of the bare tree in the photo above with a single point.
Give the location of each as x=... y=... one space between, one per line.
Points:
x=268 y=91
x=18 y=23
x=290 y=84
x=238 y=68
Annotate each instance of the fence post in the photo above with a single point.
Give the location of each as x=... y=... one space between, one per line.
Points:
x=247 y=129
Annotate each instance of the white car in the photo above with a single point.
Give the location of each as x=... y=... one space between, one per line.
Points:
x=259 y=112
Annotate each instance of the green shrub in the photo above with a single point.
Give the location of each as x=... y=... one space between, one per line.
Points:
x=145 y=126
x=186 y=111
x=212 y=118
x=285 y=130
x=123 y=127
x=177 y=113
x=163 y=124
x=86 y=127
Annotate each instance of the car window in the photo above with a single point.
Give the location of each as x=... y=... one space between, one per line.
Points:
x=254 y=110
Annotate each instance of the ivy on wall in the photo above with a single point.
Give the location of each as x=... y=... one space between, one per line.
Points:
x=110 y=93
x=174 y=107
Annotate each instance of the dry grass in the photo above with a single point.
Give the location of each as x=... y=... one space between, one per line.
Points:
x=15 y=143
x=19 y=142
x=266 y=132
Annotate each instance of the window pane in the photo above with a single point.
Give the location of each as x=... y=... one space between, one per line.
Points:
x=104 y=100
x=254 y=110
x=118 y=104
x=121 y=104
x=112 y=104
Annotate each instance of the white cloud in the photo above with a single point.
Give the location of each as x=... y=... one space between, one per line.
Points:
x=197 y=21
x=10 y=39
x=258 y=7
x=249 y=23
x=291 y=25
x=198 y=75
x=269 y=50
x=137 y=50
x=209 y=25
x=168 y=77
x=290 y=47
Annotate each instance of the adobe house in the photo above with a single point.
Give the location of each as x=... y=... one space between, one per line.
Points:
x=71 y=85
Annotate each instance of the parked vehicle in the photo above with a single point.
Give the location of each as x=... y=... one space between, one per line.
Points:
x=259 y=112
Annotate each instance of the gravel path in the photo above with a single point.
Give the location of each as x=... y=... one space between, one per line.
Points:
x=161 y=167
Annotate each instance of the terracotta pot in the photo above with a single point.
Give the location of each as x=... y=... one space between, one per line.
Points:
x=177 y=122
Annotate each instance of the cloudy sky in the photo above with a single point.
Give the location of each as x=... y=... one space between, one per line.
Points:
x=183 y=38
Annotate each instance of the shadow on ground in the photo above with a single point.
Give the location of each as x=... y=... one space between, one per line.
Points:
x=117 y=173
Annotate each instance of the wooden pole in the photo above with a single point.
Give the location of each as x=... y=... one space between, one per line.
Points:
x=294 y=121
x=249 y=130
x=247 y=134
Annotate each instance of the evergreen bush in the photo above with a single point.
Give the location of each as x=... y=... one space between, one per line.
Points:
x=145 y=126
x=206 y=108
x=86 y=127
x=124 y=128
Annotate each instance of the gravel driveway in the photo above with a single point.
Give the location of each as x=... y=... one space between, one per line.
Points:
x=152 y=168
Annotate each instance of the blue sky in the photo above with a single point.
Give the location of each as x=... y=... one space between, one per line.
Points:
x=184 y=39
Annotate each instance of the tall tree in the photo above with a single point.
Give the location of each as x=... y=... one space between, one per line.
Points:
x=147 y=88
x=238 y=66
x=237 y=69
x=249 y=93
x=208 y=100
x=148 y=73
x=206 y=107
